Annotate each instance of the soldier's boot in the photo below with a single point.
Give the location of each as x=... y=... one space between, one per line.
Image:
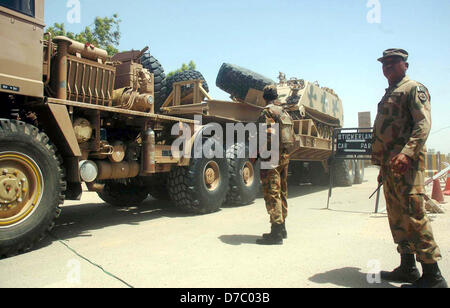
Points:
x=407 y=272
x=431 y=278
x=275 y=237
x=283 y=232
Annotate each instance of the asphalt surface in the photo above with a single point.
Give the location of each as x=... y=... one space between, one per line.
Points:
x=98 y=246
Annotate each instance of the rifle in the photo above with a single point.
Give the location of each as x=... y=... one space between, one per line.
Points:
x=378 y=189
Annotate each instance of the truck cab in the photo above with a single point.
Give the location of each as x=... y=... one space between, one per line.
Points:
x=21 y=56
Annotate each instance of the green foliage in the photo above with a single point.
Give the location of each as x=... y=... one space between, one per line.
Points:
x=105 y=33
x=184 y=67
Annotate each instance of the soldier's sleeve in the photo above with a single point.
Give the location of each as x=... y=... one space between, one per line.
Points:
x=375 y=152
x=267 y=119
x=419 y=106
x=263 y=119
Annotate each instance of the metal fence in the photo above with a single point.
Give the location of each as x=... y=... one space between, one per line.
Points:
x=434 y=162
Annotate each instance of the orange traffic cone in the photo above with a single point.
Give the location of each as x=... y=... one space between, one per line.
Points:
x=437 y=192
x=447 y=187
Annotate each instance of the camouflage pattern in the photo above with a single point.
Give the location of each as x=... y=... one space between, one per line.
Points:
x=274 y=181
x=410 y=226
x=310 y=95
x=275 y=189
x=403 y=125
x=394 y=52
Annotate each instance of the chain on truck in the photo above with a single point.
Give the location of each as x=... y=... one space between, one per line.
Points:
x=71 y=115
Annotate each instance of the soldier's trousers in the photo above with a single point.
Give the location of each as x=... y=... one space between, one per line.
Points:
x=410 y=226
x=275 y=190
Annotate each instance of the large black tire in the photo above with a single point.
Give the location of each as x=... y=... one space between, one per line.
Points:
x=123 y=195
x=317 y=174
x=244 y=184
x=191 y=191
x=30 y=166
x=149 y=62
x=185 y=76
x=298 y=173
x=157 y=186
x=237 y=81
x=344 y=173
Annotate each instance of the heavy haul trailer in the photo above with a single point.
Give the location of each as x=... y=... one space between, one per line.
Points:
x=316 y=112
x=70 y=115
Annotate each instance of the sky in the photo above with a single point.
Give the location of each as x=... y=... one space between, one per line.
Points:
x=336 y=43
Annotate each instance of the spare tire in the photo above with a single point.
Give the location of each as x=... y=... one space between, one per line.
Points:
x=185 y=76
x=237 y=81
x=149 y=62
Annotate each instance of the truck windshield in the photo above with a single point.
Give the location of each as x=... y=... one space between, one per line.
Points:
x=22 y=6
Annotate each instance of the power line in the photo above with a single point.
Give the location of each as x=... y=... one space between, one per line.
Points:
x=438 y=131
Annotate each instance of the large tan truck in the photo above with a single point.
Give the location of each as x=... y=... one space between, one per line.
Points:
x=70 y=115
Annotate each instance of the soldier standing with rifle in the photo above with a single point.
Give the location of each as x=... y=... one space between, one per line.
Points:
x=274 y=180
x=401 y=130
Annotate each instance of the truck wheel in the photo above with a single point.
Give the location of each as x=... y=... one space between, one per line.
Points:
x=298 y=172
x=157 y=187
x=359 y=172
x=200 y=188
x=149 y=62
x=31 y=186
x=122 y=195
x=185 y=76
x=344 y=173
x=317 y=174
x=237 y=81
x=244 y=181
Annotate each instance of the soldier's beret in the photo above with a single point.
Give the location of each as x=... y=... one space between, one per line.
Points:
x=394 y=52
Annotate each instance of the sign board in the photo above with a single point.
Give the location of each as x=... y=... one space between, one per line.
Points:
x=355 y=143
x=351 y=144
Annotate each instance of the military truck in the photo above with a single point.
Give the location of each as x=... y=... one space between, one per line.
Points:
x=72 y=115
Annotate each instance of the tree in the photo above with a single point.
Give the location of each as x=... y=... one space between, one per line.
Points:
x=184 y=67
x=105 y=35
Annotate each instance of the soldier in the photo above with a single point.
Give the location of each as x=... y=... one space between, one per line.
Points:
x=401 y=130
x=274 y=180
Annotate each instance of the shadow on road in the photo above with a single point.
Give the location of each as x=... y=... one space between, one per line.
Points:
x=239 y=239
x=79 y=220
x=348 y=277
x=299 y=190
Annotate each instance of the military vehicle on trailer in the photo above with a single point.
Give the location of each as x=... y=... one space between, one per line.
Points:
x=316 y=111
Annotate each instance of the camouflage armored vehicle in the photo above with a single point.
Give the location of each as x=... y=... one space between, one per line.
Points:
x=316 y=112
x=71 y=115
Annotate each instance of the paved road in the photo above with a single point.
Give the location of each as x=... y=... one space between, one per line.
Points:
x=94 y=245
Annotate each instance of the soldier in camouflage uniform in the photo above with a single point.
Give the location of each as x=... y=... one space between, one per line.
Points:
x=401 y=130
x=274 y=180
